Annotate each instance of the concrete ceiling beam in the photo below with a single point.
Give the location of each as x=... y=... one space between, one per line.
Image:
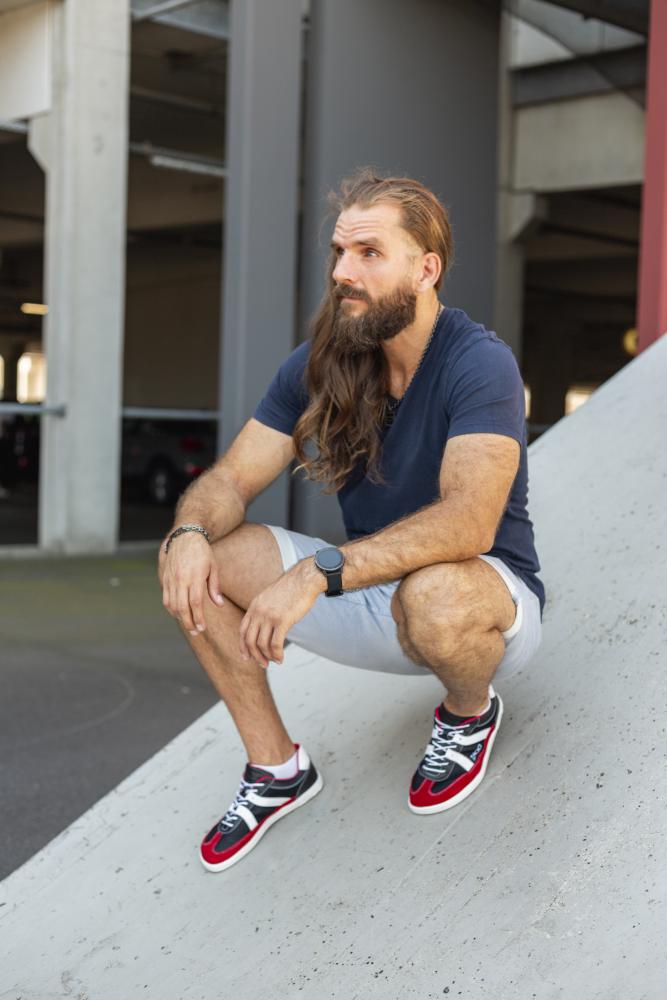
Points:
x=629 y=14
x=566 y=246
x=559 y=307
x=593 y=217
x=599 y=279
x=202 y=17
x=589 y=142
x=620 y=69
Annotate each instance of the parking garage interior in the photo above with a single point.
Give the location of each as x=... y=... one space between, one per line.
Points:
x=579 y=254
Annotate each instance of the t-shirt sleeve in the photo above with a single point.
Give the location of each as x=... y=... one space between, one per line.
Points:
x=286 y=397
x=485 y=392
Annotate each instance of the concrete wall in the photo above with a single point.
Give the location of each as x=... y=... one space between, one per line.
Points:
x=171 y=326
x=25 y=61
x=410 y=88
x=548 y=883
x=588 y=142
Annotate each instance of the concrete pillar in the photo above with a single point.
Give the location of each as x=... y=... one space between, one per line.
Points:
x=82 y=146
x=509 y=268
x=652 y=298
x=261 y=214
x=411 y=88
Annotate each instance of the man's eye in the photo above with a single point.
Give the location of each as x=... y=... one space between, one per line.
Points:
x=371 y=251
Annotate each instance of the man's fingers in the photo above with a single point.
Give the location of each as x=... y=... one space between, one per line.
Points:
x=196 y=606
x=243 y=628
x=183 y=615
x=214 y=591
x=278 y=644
x=260 y=639
x=264 y=643
x=251 y=642
x=183 y=611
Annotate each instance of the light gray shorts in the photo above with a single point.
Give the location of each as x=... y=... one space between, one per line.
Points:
x=357 y=628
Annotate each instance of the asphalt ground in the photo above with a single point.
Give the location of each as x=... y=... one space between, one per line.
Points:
x=96 y=677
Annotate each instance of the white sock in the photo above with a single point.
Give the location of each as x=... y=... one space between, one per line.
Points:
x=285 y=770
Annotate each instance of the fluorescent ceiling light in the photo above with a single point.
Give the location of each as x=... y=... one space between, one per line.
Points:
x=189 y=166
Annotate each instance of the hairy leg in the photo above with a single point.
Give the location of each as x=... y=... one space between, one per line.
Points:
x=449 y=618
x=248 y=560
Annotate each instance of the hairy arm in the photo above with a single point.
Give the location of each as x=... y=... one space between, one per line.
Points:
x=214 y=501
x=476 y=477
x=217 y=501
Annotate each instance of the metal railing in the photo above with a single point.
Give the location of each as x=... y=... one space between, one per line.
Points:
x=38 y=409
x=135 y=412
x=158 y=413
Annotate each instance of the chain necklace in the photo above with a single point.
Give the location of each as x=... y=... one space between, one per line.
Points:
x=393 y=404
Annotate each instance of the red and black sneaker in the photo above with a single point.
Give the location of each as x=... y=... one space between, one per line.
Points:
x=455 y=760
x=261 y=800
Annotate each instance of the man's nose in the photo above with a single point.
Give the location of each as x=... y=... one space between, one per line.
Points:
x=343 y=272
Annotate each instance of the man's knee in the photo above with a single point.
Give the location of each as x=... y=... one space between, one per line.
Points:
x=433 y=609
x=248 y=560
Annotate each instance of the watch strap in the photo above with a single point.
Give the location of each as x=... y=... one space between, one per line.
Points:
x=334 y=582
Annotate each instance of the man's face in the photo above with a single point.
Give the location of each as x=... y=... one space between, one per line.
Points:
x=373 y=275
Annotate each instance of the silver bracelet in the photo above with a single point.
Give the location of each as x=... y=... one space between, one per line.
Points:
x=182 y=529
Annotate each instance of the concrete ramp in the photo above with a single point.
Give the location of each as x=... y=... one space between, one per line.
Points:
x=550 y=881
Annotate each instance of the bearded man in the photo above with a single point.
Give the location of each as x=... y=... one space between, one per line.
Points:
x=415 y=418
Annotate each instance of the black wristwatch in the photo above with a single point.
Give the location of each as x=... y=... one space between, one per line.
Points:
x=330 y=561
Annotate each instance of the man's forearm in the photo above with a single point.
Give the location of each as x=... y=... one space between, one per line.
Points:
x=212 y=501
x=441 y=532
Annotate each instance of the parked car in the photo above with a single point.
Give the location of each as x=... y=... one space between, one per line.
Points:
x=161 y=457
x=19 y=449
x=164 y=456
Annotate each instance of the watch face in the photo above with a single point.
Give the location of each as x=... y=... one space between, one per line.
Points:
x=330 y=558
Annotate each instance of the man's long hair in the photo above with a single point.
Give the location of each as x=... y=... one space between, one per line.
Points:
x=348 y=391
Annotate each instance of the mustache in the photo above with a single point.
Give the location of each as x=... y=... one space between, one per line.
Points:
x=348 y=292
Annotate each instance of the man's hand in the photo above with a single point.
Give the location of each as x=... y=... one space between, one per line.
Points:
x=188 y=571
x=272 y=612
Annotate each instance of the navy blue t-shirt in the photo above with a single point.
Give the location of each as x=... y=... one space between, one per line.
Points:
x=468 y=383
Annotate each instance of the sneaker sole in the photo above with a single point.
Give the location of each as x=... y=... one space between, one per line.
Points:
x=454 y=801
x=268 y=823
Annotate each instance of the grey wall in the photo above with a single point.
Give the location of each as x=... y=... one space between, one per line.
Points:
x=171 y=326
x=409 y=88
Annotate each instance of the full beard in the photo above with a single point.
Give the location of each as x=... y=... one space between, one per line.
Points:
x=383 y=319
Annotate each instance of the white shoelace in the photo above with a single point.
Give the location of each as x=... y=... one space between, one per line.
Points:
x=230 y=817
x=443 y=738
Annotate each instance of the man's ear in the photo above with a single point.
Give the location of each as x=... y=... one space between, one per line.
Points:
x=431 y=269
